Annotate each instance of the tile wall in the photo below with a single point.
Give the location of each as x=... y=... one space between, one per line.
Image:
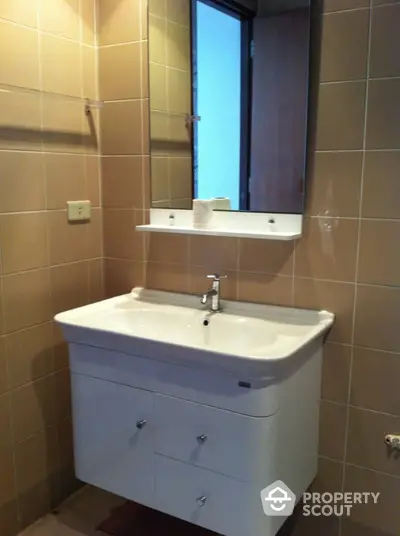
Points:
x=48 y=155
x=348 y=260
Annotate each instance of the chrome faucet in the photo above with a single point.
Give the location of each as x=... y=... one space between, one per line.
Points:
x=213 y=293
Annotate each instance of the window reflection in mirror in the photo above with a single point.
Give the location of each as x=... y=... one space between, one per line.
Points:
x=228 y=102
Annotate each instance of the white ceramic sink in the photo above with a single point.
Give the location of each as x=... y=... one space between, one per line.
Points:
x=247 y=338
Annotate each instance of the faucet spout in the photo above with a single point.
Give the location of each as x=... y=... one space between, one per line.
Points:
x=213 y=293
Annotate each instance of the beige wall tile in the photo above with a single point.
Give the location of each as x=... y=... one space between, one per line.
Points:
x=19 y=232
x=178 y=46
x=26 y=299
x=21 y=122
x=181 y=178
x=61 y=66
x=168 y=277
x=90 y=82
x=265 y=288
x=121 y=131
x=377 y=318
x=158 y=7
x=385 y=41
x=381 y=194
x=374 y=380
x=159 y=127
x=29 y=354
x=63 y=126
x=383 y=120
x=335 y=297
x=334 y=185
x=119 y=21
x=336 y=373
x=32 y=408
x=157 y=40
x=122 y=183
x=65 y=179
x=165 y=248
x=344 y=47
x=332 y=430
x=69 y=286
x=379 y=256
x=160 y=185
x=385 y=515
x=179 y=136
x=19 y=56
x=216 y=252
x=179 y=11
x=339 y=5
x=20 y=11
x=158 y=86
x=113 y=62
x=60 y=18
x=199 y=283
x=68 y=242
x=93 y=179
x=268 y=257
x=121 y=241
x=122 y=275
x=22 y=185
x=88 y=21
x=369 y=429
x=179 y=91
x=319 y=252
x=340 y=122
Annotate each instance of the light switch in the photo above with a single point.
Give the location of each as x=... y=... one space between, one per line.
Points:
x=79 y=210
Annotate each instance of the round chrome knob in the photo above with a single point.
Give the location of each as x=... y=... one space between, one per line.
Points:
x=140 y=424
x=201 y=501
x=202 y=438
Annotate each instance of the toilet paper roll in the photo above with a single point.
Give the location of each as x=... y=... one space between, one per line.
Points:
x=202 y=213
x=222 y=203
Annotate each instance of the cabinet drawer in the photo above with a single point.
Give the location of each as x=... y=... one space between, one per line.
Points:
x=113 y=448
x=207 y=499
x=235 y=445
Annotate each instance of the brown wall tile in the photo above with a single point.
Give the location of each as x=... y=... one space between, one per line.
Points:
x=368 y=428
x=26 y=299
x=65 y=179
x=340 y=122
x=334 y=184
x=383 y=516
x=169 y=277
x=335 y=297
x=265 y=288
x=328 y=249
x=344 y=45
x=122 y=182
x=385 y=41
x=379 y=257
x=21 y=122
x=5 y=419
x=19 y=232
x=165 y=248
x=339 y=5
x=381 y=192
x=67 y=240
x=383 y=120
x=3 y=367
x=61 y=65
x=377 y=318
x=218 y=253
x=122 y=275
x=178 y=50
x=375 y=380
x=121 y=240
x=332 y=430
x=69 y=286
x=264 y=256
x=336 y=373
x=7 y=483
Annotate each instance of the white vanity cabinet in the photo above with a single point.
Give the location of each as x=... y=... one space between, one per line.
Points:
x=162 y=435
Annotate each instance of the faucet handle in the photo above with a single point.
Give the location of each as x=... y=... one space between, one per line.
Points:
x=216 y=277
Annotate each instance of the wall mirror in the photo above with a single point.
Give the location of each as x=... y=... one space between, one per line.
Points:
x=229 y=91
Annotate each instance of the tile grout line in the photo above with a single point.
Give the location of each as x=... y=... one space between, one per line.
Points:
x=358 y=250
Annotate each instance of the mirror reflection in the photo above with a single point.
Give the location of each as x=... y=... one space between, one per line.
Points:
x=228 y=103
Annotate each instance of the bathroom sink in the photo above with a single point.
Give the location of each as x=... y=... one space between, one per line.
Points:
x=248 y=338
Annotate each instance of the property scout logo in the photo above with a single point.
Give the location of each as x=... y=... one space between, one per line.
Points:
x=279 y=500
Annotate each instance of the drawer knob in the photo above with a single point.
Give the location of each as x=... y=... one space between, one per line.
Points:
x=140 y=424
x=201 y=501
x=202 y=438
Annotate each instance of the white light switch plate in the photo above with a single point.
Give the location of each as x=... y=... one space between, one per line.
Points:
x=79 y=210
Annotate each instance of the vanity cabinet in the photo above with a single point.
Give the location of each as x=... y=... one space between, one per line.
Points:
x=157 y=433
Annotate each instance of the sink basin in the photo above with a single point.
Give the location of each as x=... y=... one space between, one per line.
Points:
x=245 y=338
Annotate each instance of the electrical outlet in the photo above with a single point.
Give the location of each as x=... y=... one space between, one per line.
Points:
x=79 y=210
